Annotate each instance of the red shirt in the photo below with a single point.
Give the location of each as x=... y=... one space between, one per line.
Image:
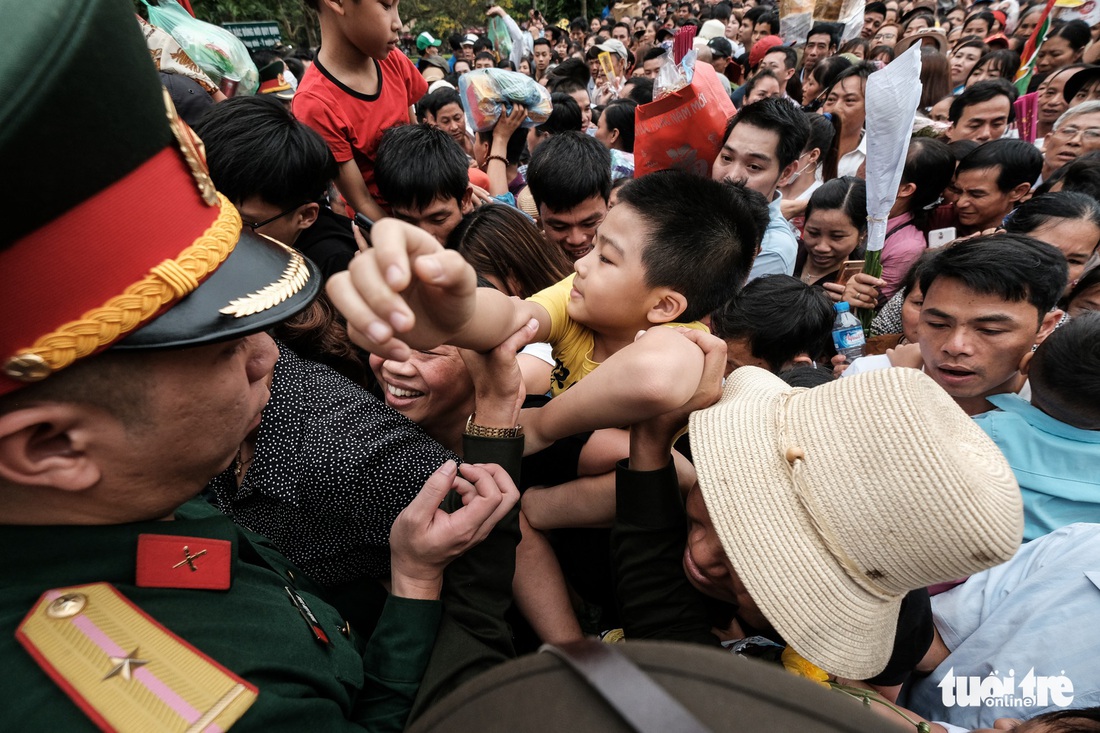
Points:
x=352 y=122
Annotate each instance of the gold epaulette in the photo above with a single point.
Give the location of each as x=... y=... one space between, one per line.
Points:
x=126 y=671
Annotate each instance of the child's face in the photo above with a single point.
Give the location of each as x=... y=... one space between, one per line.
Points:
x=372 y=26
x=609 y=293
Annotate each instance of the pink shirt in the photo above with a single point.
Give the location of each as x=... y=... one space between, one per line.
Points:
x=901 y=250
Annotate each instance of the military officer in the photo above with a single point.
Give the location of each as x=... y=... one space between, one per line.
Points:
x=132 y=364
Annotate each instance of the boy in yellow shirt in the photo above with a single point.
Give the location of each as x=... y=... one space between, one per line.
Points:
x=674 y=249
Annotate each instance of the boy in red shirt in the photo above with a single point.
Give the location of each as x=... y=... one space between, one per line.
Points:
x=358 y=86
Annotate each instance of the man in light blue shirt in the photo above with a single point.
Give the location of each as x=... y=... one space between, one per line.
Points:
x=1019 y=639
x=1053 y=444
x=1056 y=465
x=763 y=142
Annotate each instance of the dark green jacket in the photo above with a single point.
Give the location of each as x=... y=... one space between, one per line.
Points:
x=252 y=629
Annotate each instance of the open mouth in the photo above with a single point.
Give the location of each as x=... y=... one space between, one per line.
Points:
x=402 y=393
x=955 y=375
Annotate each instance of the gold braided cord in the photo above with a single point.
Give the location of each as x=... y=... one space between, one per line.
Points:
x=165 y=283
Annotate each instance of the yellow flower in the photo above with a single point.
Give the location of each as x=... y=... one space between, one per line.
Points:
x=799 y=667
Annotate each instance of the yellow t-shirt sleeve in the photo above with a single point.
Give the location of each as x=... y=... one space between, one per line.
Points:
x=555 y=299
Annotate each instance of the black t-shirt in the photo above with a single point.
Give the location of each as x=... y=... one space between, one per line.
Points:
x=329 y=242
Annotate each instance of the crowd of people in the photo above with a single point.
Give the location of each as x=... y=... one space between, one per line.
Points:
x=334 y=402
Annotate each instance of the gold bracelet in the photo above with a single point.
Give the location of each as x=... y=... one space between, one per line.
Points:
x=480 y=431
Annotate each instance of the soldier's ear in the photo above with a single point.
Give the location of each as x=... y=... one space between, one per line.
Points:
x=47 y=446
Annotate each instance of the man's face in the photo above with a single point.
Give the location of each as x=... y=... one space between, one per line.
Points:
x=983 y=121
x=1076 y=136
x=203 y=401
x=431 y=51
x=582 y=100
x=720 y=63
x=847 y=100
x=683 y=12
x=871 y=23
x=651 y=68
x=621 y=34
x=746 y=33
x=439 y=218
x=707 y=567
x=978 y=202
x=777 y=64
x=468 y=53
x=759 y=31
x=817 y=48
x=452 y=120
x=973 y=343
x=748 y=158
x=284 y=228
x=594 y=68
x=886 y=36
x=574 y=229
x=542 y=58
x=484 y=63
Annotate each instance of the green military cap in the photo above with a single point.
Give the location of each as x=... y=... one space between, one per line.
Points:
x=716 y=690
x=114 y=236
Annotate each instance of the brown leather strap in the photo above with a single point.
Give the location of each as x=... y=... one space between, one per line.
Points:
x=642 y=703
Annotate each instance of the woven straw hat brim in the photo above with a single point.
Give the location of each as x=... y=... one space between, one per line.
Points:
x=908 y=488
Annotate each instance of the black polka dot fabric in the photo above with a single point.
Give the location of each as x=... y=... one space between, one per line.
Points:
x=333 y=467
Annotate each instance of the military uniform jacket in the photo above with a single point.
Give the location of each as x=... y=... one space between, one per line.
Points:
x=255 y=628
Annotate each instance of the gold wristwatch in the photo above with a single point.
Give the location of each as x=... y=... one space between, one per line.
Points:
x=480 y=431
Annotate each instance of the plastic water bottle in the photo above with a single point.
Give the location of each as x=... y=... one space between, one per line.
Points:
x=847 y=333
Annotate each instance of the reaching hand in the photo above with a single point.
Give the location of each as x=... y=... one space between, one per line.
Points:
x=508 y=124
x=425 y=539
x=406 y=288
x=498 y=383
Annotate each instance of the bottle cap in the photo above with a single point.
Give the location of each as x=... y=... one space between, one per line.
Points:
x=841 y=307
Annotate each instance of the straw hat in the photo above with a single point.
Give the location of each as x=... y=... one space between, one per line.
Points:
x=832 y=503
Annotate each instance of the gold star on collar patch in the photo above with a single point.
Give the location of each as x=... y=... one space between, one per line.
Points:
x=126 y=671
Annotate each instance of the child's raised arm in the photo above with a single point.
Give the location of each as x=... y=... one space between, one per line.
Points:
x=656 y=374
x=407 y=291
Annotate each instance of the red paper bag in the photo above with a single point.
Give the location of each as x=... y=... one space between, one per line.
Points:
x=684 y=130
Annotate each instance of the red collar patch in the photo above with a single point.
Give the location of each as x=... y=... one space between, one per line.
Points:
x=173 y=561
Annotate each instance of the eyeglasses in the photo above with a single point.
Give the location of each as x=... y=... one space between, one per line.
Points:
x=256 y=225
x=1088 y=134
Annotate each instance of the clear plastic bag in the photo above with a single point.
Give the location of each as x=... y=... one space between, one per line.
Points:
x=219 y=53
x=489 y=93
x=674 y=76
